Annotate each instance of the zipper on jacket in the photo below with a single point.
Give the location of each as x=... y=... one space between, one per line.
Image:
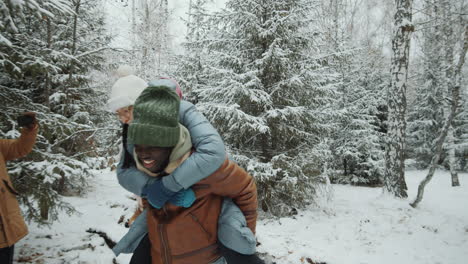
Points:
x=195 y=218
x=163 y=238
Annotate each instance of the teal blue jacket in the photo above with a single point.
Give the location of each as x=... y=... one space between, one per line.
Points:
x=208 y=157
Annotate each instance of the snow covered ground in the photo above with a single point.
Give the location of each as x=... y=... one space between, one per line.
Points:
x=360 y=225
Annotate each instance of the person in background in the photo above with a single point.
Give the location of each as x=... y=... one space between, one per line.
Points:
x=208 y=156
x=178 y=233
x=12 y=225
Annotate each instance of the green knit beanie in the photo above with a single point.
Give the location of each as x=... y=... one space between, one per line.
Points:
x=156 y=117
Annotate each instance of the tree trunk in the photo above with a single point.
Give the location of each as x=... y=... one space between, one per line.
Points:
x=189 y=19
x=448 y=122
x=133 y=20
x=345 y=166
x=394 y=177
x=44 y=209
x=72 y=51
x=448 y=71
x=455 y=181
x=147 y=21
x=47 y=84
x=452 y=158
x=73 y=48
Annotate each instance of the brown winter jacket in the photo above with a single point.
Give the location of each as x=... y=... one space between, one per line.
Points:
x=12 y=226
x=189 y=235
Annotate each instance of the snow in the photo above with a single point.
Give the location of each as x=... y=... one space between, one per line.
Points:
x=68 y=242
x=359 y=225
x=57 y=97
x=4 y=41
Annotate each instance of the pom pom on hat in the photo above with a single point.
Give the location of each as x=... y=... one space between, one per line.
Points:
x=124 y=70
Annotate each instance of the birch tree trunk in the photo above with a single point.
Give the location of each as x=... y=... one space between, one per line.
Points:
x=448 y=122
x=394 y=177
x=452 y=158
x=450 y=43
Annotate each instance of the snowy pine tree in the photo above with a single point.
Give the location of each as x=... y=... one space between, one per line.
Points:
x=455 y=103
x=266 y=92
x=49 y=58
x=192 y=64
x=426 y=114
x=357 y=144
x=440 y=32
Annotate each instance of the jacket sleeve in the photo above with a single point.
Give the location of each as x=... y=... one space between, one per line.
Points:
x=20 y=147
x=209 y=152
x=234 y=182
x=131 y=179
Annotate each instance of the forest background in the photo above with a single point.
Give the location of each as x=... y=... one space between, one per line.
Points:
x=302 y=91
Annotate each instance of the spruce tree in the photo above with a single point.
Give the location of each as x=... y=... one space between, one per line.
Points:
x=426 y=114
x=358 y=145
x=49 y=57
x=265 y=92
x=192 y=64
x=356 y=142
x=442 y=28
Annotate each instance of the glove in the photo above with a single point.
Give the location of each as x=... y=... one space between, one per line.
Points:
x=157 y=194
x=28 y=119
x=184 y=198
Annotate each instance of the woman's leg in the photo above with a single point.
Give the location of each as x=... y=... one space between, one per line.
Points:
x=142 y=254
x=233 y=231
x=6 y=255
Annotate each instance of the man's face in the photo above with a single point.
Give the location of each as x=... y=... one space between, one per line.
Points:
x=155 y=159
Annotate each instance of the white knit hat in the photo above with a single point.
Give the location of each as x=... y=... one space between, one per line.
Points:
x=126 y=89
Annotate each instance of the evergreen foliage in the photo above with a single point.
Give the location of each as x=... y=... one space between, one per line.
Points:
x=427 y=115
x=357 y=138
x=431 y=106
x=191 y=67
x=50 y=52
x=263 y=86
x=296 y=88
x=358 y=141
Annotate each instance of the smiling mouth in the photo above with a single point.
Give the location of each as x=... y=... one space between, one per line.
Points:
x=148 y=163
